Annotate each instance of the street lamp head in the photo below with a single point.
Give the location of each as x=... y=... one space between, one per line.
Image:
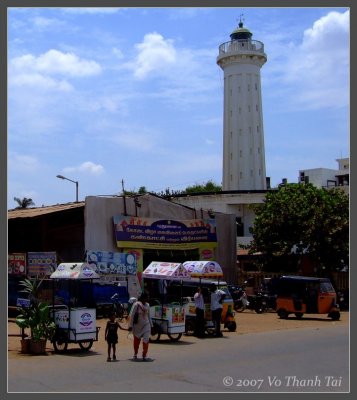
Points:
x=60 y=176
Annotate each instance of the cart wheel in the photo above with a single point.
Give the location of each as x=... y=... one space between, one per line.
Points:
x=155 y=333
x=189 y=328
x=86 y=345
x=175 y=337
x=60 y=346
x=124 y=323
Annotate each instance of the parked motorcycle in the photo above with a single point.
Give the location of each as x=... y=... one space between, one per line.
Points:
x=257 y=303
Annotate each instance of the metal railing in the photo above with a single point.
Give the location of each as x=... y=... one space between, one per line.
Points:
x=241 y=46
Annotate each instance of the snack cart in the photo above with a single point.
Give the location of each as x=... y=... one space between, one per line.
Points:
x=204 y=273
x=167 y=318
x=75 y=323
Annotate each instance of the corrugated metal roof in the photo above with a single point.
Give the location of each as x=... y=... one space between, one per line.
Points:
x=38 y=211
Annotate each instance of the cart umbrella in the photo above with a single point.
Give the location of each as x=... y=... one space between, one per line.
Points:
x=166 y=270
x=76 y=271
x=203 y=269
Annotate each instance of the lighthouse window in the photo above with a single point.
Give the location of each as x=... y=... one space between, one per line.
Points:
x=256 y=87
x=240 y=132
x=258 y=150
x=240 y=153
x=231 y=113
x=238 y=89
x=248 y=108
x=231 y=156
x=248 y=88
x=241 y=175
x=250 y=129
x=251 y=172
x=257 y=128
x=231 y=134
x=256 y=107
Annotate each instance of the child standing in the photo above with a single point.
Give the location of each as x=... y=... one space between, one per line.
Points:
x=111 y=335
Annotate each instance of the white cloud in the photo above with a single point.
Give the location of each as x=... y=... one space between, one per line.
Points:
x=87 y=166
x=23 y=163
x=39 y=81
x=318 y=69
x=56 y=62
x=154 y=53
x=91 y=10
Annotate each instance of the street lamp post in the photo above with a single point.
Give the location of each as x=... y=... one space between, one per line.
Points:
x=76 y=182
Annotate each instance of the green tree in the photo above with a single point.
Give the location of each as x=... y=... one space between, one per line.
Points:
x=303 y=220
x=207 y=187
x=24 y=203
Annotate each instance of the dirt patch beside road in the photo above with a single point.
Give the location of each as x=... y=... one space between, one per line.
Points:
x=248 y=322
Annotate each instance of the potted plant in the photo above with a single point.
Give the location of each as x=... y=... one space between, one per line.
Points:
x=36 y=317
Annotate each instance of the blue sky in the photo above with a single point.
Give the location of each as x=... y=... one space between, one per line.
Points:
x=103 y=94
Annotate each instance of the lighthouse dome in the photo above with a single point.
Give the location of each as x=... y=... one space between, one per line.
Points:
x=241 y=33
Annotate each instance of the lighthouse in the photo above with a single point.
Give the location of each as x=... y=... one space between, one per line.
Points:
x=243 y=135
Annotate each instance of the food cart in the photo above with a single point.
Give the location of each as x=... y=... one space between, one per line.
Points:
x=75 y=323
x=168 y=318
x=202 y=273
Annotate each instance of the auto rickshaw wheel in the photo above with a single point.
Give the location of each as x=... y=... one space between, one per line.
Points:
x=175 y=337
x=155 y=333
x=86 y=345
x=283 y=314
x=190 y=327
x=335 y=315
x=299 y=315
x=60 y=345
x=231 y=326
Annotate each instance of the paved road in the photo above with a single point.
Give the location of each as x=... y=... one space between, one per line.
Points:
x=307 y=359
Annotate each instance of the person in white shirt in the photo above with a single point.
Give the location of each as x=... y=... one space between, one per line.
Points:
x=200 y=313
x=217 y=297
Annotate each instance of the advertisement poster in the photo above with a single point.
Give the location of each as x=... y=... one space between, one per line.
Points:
x=41 y=263
x=111 y=263
x=16 y=264
x=149 y=233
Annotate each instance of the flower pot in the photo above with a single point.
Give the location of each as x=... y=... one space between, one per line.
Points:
x=38 y=346
x=25 y=346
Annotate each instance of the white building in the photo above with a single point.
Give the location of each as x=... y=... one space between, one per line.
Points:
x=325 y=177
x=243 y=135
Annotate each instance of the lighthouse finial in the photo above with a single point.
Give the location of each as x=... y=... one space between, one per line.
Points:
x=241 y=20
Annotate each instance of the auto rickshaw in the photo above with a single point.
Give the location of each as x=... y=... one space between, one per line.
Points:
x=301 y=295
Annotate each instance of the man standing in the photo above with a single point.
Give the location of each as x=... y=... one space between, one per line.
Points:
x=217 y=297
x=200 y=313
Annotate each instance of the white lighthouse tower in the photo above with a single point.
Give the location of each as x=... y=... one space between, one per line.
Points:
x=243 y=139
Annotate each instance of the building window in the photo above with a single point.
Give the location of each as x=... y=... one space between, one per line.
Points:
x=256 y=87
